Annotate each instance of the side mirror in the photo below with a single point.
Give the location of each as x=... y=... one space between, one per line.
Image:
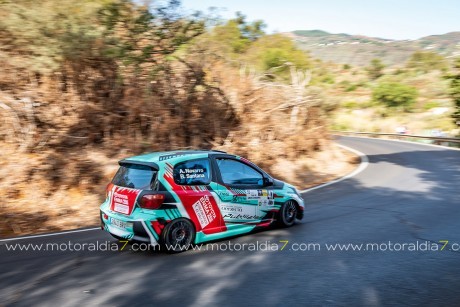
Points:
x=268 y=182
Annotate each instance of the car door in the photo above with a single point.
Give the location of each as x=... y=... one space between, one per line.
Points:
x=239 y=187
x=190 y=182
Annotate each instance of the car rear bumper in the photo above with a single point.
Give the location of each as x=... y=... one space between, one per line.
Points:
x=133 y=229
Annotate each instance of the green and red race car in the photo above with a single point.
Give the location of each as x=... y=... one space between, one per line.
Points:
x=175 y=199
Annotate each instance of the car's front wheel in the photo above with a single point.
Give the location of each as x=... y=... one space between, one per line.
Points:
x=287 y=214
x=177 y=236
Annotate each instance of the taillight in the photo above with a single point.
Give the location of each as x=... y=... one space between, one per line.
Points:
x=151 y=201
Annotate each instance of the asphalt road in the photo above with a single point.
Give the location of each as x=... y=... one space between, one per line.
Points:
x=408 y=195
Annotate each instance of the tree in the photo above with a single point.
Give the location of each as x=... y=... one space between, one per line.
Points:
x=393 y=94
x=40 y=35
x=244 y=42
x=276 y=53
x=455 y=91
x=375 y=70
x=236 y=35
x=250 y=30
x=56 y=32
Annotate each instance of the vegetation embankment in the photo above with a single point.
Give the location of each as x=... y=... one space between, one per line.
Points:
x=85 y=84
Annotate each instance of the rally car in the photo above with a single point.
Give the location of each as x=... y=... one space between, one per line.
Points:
x=175 y=199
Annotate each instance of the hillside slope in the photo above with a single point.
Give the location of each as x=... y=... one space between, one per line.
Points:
x=360 y=50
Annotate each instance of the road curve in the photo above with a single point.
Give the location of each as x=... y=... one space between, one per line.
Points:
x=409 y=194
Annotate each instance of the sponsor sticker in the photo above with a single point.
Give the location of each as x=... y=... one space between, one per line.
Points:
x=123 y=199
x=231 y=208
x=257 y=194
x=238 y=212
x=120 y=199
x=166 y=157
x=252 y=194
x=204 y=211
x=121 y=208
x=263 y=197
x=266 y=202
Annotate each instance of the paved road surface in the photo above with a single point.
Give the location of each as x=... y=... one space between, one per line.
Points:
x=408 y=194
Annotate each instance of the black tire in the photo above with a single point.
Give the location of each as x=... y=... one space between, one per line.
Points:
x=177 y=236
x=287 y=214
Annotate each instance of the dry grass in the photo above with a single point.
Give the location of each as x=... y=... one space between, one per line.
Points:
x=32 y=204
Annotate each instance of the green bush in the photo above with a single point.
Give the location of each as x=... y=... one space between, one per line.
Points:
x=393 y=94
x=328 y=79
x=351 y=88
x=426 y=61
x=350 y=104
x=431 y=104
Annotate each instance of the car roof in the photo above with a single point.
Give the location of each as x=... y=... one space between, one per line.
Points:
x=171 y=156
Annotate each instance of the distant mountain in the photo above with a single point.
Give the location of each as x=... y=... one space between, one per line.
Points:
x=360 y=50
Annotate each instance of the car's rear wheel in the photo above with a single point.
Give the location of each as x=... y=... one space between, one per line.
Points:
x=287 y=214
x=177 y=236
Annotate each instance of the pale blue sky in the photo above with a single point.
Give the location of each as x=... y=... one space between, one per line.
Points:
x=394 y=19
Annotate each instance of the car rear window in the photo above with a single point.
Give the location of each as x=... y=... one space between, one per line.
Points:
x=135 y=176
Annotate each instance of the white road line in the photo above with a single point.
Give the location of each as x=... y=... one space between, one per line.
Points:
x=400 y=141
x=362 y=166
x=49 y=234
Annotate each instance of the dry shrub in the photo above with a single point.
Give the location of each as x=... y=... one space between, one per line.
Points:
x=282 y=126
x=63 y=133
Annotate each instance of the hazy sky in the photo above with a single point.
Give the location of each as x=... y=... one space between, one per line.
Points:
x=395 y=19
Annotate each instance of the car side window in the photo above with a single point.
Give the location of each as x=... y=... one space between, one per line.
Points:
x=193 y=172
x=235 y=172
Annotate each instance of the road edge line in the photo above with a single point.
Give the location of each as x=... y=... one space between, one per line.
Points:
x=362 y=166
x=49 y=234
x=400 y=141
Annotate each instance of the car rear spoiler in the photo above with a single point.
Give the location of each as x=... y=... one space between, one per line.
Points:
x=149 y=164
